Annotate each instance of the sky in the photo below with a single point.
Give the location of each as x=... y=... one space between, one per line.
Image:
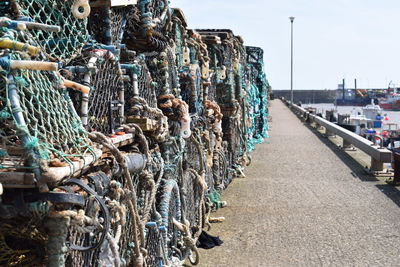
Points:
x=333 y=39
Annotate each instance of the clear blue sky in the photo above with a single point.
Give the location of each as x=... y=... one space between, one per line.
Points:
x=333 y=39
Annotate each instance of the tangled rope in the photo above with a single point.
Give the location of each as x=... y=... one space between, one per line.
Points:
x=119 y=129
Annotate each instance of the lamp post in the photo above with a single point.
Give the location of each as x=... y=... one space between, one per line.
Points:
x=291 y=61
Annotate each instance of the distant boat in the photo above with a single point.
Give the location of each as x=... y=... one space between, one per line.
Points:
x=352 y=97
x=390 y=102
x=372 y=111
x=369 y=117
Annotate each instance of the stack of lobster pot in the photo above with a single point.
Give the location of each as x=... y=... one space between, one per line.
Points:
x=119 y=129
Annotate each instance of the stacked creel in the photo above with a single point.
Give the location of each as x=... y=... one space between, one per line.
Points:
x=119 y=129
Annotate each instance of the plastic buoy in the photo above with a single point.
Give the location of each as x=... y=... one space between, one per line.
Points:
x=81 y=9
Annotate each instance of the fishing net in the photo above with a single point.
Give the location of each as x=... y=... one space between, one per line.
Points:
x=192 y=184
x=172 y=71
x=192 y=194
x=225 y=94
x=106 y=25
x=145 y=85
x=141 y=34
x=163 y=72
x=102 y=110
x=193 y=156
x=169 y=207
x=232 y=134
x=151 y=61
x=220 y=170
x=86 y=237
x=178 y=35
x=257 y=97
x=22 y=246
x=154 y=246
x=58 y=46
x=191 y=90
x=48 y=125
x=218 y=72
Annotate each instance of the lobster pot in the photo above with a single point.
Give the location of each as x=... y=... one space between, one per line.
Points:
x=107 y=24
x=62 y=45
x=102 y=109
x=45 y=124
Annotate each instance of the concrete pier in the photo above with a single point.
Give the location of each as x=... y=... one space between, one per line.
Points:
x=305 y=202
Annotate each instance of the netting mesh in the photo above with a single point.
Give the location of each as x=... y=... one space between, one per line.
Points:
x=141 y=34
x=191 y=89
x=51 y=122
x=49 y=125
x=153 y=247
x=178 y=36
x=191 y=186
x=233 y=135
x=221 y=175
x=225 y=92
x=65 y=44
x=172 y=70
x=146 y=85
x=163 y=72
x=257 y=97
x=107 y=25
x=106 y=83
x=22 y=246
x=216 y=65
x=192 y=195
x=169 y=207
x=48 y=113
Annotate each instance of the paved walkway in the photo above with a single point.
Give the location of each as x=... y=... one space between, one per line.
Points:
x=303 y=203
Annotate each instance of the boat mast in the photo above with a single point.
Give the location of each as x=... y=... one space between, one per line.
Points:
x=343 y=89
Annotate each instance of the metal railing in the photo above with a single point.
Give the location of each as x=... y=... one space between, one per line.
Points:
x=379 y=155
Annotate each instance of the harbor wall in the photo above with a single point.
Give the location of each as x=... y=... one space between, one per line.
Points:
x=307 y=96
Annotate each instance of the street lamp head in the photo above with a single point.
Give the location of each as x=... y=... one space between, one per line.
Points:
x=291 y=19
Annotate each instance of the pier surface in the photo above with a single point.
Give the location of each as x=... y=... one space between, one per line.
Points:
x=305 y=203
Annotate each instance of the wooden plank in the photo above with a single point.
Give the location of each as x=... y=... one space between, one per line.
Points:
x=211 y=39
x=17 y=178
x=121 y=140
x=14 y=150
x=55 y=175
x=19 y=185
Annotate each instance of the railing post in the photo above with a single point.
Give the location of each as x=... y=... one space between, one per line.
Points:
x=351 y=140
x=376 y=165
x=396 y=159
x=346 y=144
x=307 y=118
x=329 y=133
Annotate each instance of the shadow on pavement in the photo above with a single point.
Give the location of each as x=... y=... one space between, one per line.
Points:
x=391 y=192
x=358 y=171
